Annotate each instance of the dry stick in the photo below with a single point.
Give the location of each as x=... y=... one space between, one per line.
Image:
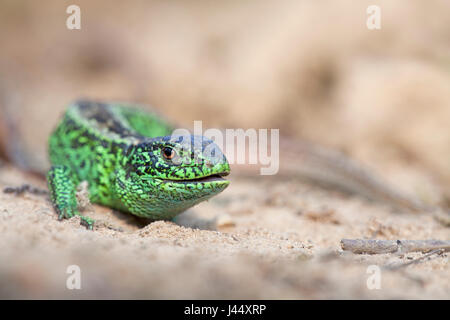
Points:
x=25 y=188
x=331 y=168
x=437 y=251
x=372 y=246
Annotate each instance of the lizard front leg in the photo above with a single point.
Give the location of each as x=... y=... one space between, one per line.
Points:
x=62 y=186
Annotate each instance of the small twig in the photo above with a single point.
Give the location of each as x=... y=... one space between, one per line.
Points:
x=25 y=188
x=372 y=246
x=437 y=251
x=443 y=217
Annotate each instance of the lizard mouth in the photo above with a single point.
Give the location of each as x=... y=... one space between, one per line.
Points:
x=218 y=177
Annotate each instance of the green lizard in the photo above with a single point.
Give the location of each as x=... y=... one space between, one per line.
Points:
x=131 y=162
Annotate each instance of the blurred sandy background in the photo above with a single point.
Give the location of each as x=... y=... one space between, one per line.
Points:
x=310 y=68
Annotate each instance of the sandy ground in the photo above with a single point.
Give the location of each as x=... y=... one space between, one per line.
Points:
x=309 y=68
x=258 y=239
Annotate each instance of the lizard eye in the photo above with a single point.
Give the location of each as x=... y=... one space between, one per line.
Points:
x=168 y=153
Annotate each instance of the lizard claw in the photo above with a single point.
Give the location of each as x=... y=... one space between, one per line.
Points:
x=87 y=222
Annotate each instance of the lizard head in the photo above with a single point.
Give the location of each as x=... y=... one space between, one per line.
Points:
x=161 y=177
